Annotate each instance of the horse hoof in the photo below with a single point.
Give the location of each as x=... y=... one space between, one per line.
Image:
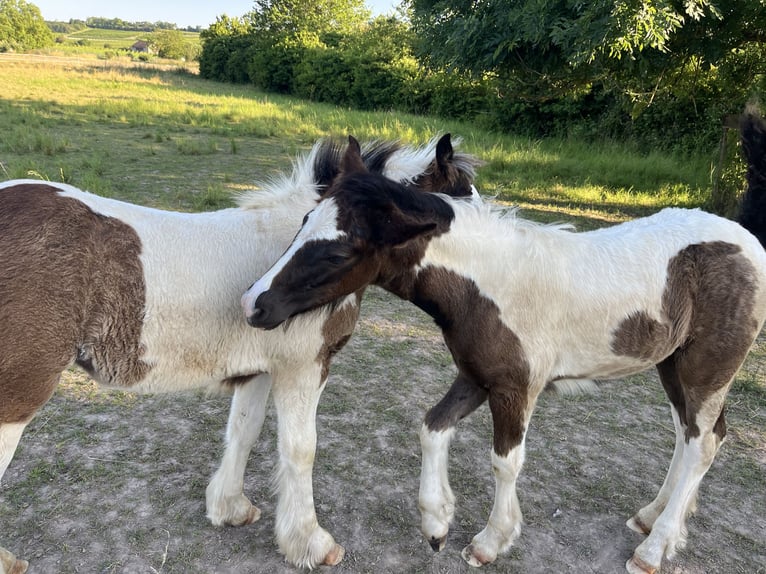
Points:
x=334 y=556
x=636 y=525
x=637 y=566
x=253 y=514
x=437 y=544
x=475 y=558
x=10 y=565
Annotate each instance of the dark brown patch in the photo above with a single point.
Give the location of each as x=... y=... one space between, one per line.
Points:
x=337 y=331
x=71 y=288
x=487 y=353
x=463 y=397
x=708 y=305
x=642 y=337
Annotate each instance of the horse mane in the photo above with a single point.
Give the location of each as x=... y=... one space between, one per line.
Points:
x=313 y=172
x=489 y=218
x=409 y=163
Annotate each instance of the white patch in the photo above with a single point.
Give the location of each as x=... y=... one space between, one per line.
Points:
x=504 y=524
x=407 y=163
x=435 y=498
x=573 y=387
x=226 y=501
x=321 y=224
x=10 y=433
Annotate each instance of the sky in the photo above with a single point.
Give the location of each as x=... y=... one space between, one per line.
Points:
x=183 y=13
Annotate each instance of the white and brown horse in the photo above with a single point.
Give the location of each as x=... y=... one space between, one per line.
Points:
x=148 y=300
x=522 y=305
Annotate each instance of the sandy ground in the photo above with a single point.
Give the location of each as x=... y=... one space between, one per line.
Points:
x=112 y=482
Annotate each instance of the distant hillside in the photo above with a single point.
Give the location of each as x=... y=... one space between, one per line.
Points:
x=74 y=25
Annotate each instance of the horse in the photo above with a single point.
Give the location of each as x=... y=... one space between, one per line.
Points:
x=147 y=300
x=522 y=305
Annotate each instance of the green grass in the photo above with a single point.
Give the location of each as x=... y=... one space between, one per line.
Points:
x=94 y=122
x=96 y=40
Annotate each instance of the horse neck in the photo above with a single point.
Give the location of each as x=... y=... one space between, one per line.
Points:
x=480 y=253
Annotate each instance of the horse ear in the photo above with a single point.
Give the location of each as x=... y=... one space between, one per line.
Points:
x=412 y=230
x=352 y=160
x=444 y=151
x=397 y=228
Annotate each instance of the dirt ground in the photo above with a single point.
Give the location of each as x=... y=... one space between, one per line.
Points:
x=112 y=482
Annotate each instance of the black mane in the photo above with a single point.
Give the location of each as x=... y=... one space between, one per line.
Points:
x=327 y=162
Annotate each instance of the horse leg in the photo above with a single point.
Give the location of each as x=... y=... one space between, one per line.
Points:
x=435 y=499
x=703 y=399
x=669 y=530
x=10 y=433
x=643 y=521
x=21 y=411
x=299 y=536
x=511 y=410
x=10 y=565
x=226 y=501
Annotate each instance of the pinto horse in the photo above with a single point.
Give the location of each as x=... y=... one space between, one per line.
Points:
x=148 y=300
x=522 y=305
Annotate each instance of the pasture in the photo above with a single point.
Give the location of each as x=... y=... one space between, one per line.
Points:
x=114 y=482
x=106 y=44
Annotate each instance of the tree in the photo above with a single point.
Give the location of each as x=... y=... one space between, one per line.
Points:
x=172 y=44
x=547 y=47
x=22 y=26
x=283 y=18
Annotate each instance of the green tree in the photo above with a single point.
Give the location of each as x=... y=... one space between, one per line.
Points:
x=225 y=26
x=22 y=26
x=547 y=47
x=172 y=44
x=282 y=18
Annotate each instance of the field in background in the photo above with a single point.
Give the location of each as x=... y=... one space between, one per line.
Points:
x=113 y=45
x=89 y=122
x=113 y=482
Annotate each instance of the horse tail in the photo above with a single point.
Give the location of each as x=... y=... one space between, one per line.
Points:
x=752 y=214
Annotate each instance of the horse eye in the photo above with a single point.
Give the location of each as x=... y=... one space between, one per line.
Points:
x=336 y=260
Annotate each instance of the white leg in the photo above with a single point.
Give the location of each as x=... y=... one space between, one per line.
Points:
x=504 y=524
x=435 y=499
x=669 y=531
x=226 y=501
x=299 y=536
x=10 y=434
x=644 y=519
x=9 y=440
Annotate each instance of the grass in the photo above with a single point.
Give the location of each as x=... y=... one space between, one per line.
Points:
x=95 y=122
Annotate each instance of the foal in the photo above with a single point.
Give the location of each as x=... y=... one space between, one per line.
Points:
x=522 y=305
x=147 y=300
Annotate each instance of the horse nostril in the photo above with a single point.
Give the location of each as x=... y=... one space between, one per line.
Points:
x=257 y=317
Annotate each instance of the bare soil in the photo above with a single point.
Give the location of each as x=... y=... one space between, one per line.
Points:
x=112 y=482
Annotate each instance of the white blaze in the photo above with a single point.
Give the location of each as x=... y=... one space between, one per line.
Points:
x=321 y=224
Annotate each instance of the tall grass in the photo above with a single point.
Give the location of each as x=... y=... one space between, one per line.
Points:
x=157 y=135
